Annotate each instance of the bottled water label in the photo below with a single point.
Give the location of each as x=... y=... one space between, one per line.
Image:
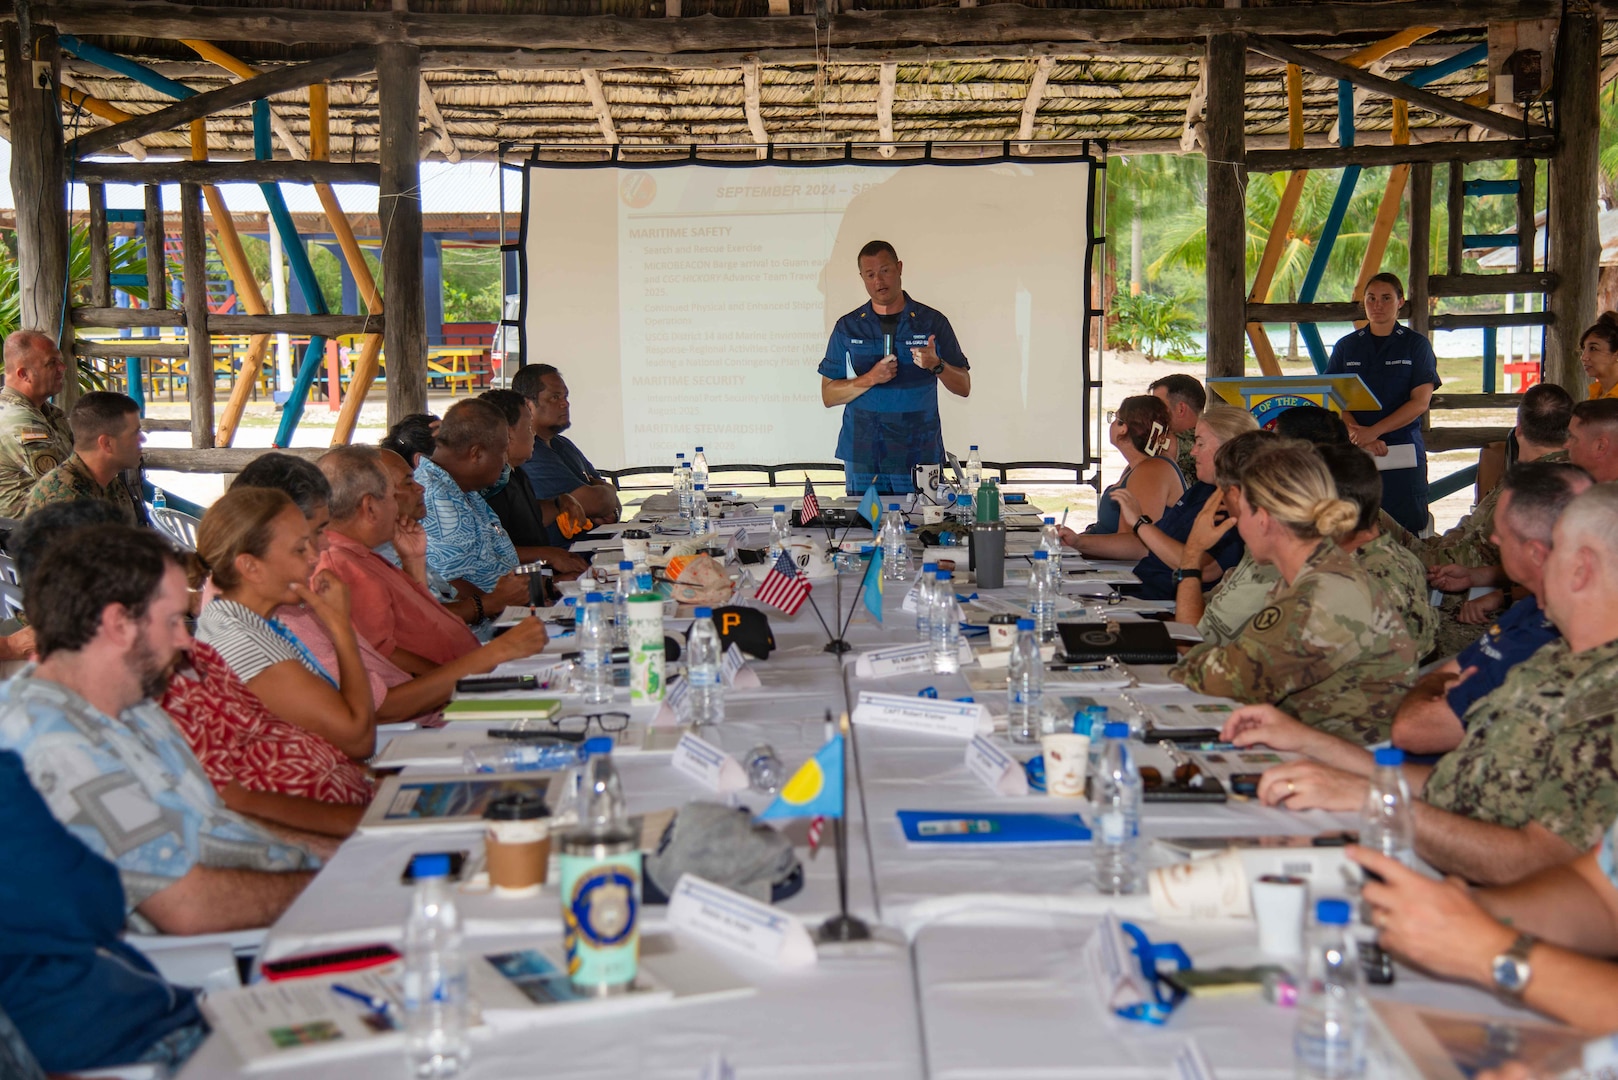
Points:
x=1114 y=827
x=702 y=677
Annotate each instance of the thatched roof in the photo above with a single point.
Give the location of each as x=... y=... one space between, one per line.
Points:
x=1134 y=94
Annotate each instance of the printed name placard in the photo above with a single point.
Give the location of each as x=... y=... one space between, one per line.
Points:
x=676 y=706
x=730 y=920
x=996 y=768
x=901 y=660
x=926 y=716
x=707 y=764
x=735 y=671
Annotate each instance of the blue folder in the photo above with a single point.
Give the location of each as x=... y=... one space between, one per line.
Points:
x=966 y=827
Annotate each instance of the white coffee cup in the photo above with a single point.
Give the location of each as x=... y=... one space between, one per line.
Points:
x=1280 y=904
x=1002 y=631
x=1211 y=888
x=1067 y=759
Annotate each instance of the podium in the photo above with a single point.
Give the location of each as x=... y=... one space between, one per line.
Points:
x=1268 y=396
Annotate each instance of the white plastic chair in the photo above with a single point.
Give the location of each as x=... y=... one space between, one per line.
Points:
x=181 y=527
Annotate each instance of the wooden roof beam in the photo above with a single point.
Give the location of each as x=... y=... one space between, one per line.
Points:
x=887 y=83
x=752 y=95
x=1036 y=95
x=598 y=103
x=278 y=124
x=435 y=117
x=1004 y=23
x=278 y=81
x=1444 y=106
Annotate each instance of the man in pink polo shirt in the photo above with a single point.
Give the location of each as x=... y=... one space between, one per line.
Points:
x=390 y=609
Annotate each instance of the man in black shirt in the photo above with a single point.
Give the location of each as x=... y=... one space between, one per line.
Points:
x=530 y=522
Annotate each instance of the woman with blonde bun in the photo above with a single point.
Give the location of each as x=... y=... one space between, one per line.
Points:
x=1324 y=648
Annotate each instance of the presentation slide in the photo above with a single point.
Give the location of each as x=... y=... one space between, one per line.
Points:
x=692 y=304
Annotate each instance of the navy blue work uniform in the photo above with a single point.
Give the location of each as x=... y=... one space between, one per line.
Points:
x=892 y=427
x=1392 y=367
x=1157 y=576
x=1522 y=630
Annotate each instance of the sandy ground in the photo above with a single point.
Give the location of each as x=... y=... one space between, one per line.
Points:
x=1122 y=374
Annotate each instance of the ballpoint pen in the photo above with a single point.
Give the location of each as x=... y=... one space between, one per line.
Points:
x=370 y=1001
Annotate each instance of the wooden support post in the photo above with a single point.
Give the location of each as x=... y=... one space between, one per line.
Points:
x=157 y=287
x=399 y=206
x=100 y=270
x=1457 y=215
x=887 y=84
x=1226 y=67
x=1526 y=228
x=1572 y=235
x=1421 y=257
x=199 y=355
x=39 y=183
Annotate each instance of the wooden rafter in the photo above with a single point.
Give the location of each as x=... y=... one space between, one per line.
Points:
x=887 y=83
x=278 y=81
x=435 y=117
x=278 y=123
x=752 y=94
x=1195 y=130
x=1036 y=95
x=1444 y=106
x=227 y=172
x=598 y=103
x=939 y=26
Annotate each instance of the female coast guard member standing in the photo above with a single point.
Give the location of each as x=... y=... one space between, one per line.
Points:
x=1399 y=367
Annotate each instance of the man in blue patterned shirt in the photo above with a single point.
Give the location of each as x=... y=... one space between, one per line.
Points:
x=466 y=544
x=883 y=364
x=108 y=612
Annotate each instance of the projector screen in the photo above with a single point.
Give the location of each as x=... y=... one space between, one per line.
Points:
x=691 y=304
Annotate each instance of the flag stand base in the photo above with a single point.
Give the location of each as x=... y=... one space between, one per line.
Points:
x=837 y=646
x=842 y=927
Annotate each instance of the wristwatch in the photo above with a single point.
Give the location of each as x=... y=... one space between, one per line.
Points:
x=1187 y=575
x=1510 y=969
x=939 y=370
x=1142 y=520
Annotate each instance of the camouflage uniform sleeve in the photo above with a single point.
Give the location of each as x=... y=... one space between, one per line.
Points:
x=1288 y=645
x=1401 y=535
x=1577 y=796
x=1467 y=544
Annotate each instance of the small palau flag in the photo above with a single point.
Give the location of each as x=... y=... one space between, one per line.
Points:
x=872 y=593
x=871 y=508
x=816 y=789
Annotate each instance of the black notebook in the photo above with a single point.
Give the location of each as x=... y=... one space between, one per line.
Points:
x=1127 y=642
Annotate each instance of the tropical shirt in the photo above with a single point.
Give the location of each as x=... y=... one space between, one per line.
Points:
x=465 y=540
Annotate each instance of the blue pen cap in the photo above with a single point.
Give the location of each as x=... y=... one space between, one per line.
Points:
x=1115 y=730
x=1333 y=912
x=625 y=564
x=1025 y=624
x=1390 y=755
x=593 y=598
x=430 y=865
x=601 y=744
x=703 y=613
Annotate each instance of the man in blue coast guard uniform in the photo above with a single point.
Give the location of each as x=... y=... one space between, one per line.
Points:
x=883 y=364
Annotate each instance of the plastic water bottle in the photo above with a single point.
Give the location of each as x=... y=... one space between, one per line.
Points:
x=1117 y=810
x=703 y=657
x=699 y=509
x=687 y=487
x=622 y=589
x=1042 y=597
x=1386 y=824
x=1329 y=1041
x=504 y=757
x=923 y=599
x=159 y=500
x=1025 y=685
x=972 y=471
x=1050 y=542
x=699 y=468
x=595 y=651
x=895 y=548
x=944 y=631
x=566 y=812
x=780 y=531
x=434 y=985
x=677 y=479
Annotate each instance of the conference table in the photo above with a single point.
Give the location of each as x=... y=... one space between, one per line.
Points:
x=978 y=965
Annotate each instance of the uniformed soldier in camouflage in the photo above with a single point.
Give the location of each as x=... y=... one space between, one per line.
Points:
x=1186 y=400
x=106 y=441
x=34 y=435
x=1240 y=594
x=1325 y=648
x=1543 y=747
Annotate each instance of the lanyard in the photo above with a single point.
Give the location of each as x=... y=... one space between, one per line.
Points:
x=303 y=650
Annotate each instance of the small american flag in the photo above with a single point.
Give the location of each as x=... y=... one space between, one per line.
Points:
x=816 y=826
x=783 y=588
x=811 y=505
